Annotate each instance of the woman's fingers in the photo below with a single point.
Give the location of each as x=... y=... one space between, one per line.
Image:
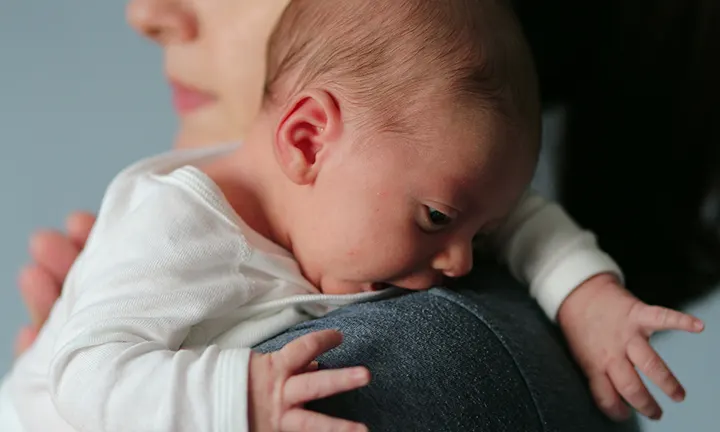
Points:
x=628 y=383
x=54 y=252
x=307 y=387
x=39 y=291
x=26 y=336
x=649 y=362
x=78 y=226
x=40 y=284
x=296 y=355
x=300 y=420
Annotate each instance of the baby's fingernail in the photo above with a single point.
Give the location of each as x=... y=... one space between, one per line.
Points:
x=617 y=417
x=620 y=414
x=679 y=395
x=360 y=373
x=656 y=416
x=699 y=325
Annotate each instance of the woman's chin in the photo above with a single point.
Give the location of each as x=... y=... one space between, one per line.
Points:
x=201 y=129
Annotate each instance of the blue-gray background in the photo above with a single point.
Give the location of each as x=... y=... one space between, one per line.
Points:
x=81 y=96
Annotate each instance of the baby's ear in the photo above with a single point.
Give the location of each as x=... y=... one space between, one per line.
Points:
x=307 y=131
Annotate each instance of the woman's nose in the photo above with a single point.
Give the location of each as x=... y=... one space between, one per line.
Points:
x=456 y=260
x=163 y=21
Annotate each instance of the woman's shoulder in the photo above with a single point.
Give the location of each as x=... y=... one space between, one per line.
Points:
x=483 y=357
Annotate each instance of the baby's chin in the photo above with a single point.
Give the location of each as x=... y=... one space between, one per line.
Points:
x=332 y=287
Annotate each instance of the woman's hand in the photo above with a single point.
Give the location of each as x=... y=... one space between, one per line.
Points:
x=283 y=381
x=53 y=253
x=608 y=331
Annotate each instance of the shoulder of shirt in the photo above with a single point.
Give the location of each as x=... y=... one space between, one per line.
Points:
x=164 y=163
x=170 y=173
x=168 y=190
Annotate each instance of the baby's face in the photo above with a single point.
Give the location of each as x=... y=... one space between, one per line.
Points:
x=404 y=211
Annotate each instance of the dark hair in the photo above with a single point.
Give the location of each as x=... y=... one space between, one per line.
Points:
x=641 y=159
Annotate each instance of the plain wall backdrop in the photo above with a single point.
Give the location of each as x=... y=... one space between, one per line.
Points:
x=81 y=96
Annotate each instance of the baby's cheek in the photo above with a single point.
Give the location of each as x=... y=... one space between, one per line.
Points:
x=353 y=252
x=396 y=255
x=369 y=240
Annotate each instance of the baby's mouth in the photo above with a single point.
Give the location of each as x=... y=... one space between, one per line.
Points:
x=378 y=286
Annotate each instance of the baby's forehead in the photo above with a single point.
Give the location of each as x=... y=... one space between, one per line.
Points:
x=453 y=159
x=465 y=145
x=466 y=140
x=467 y=157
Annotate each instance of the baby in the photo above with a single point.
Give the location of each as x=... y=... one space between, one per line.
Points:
x=394 y=135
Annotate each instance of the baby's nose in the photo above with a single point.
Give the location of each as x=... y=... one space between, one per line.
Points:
x=455 y=261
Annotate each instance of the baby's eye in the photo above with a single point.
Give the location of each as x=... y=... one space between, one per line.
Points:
x=437 y=217
x=434 y=220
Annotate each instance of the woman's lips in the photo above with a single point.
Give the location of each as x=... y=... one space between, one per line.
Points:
x=186 y=99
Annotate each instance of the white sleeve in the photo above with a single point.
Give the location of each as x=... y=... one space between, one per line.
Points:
x=165 y=264
x=547 y=250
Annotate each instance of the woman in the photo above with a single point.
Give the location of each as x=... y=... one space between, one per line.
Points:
x=440 y=360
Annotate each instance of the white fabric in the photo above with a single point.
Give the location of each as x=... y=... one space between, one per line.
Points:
x=154 y=324
x=547 y=250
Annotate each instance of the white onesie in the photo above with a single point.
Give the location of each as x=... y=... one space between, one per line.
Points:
x=153 y=328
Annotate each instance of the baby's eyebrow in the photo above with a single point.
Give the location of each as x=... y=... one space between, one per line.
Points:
x=491 y=227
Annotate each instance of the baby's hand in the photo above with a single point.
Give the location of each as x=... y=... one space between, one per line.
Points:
x=282 y=382
x=608 y=331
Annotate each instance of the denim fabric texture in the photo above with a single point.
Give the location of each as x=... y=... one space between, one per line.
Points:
x=481 y=357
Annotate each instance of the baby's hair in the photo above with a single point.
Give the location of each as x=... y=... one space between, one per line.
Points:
x=387 y=56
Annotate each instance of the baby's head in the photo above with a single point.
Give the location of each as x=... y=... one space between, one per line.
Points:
x=406 y=128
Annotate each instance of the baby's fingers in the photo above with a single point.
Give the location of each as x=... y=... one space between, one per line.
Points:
x=656 y=318
x=644 y=357
x=297 y=355
x=607 y=398
x=311 y=367
x=300 y=420
x=628 y=384
x=307 y=387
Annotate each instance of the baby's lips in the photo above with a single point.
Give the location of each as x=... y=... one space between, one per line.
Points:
x=378 y=286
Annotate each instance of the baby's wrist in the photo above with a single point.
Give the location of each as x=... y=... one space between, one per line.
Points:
x=585 y=295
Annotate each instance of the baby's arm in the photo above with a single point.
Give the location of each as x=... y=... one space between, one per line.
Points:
x=141 y=284
x=546 y=249
x=143 y=281
x=579 y=285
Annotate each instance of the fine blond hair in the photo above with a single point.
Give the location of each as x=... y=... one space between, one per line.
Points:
x=386 y=56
